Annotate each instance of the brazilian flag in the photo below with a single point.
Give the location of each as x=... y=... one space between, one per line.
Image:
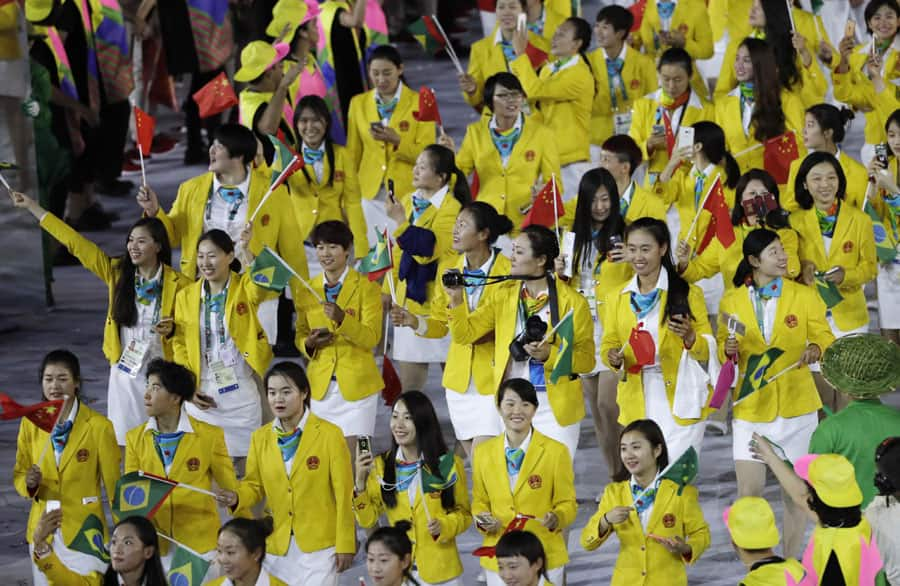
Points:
x=755 y=376
x=270 y=271
x=446 y=475
x=828 y=291
x=562 y=366
x=139 y=495
x=426 y=33
x=885 y=244
x=683 y=470
x=378 y=261
x=89 y=539
x=187 y=569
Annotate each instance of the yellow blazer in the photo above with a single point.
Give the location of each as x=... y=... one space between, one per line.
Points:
x=241 y=321
x=201 y=457
x=857 y=181
x=370 y=162
x=638 y=79
x=485 y=59
x=799 y=321
x=679 y=191
x=437 y=559
x=273 y=581
x=107 y=269
x=645 y=112
x=90 y=458
x=349 y=357
x=877 y=202
x=552 y=18
x=618 y=321
x=718 y=259
x=564 y=100
x=466 y=362
x=314 y=502
x=439 y=221
x=315 y=202
x=855 y=88
x=546 y=483
x=249 y=103
x=57 y=573
x=728 y=115
x=852 y=248
x=690 y=18
x=643 y=560
x=275 y=226
x=508 y=188
x=500 y=315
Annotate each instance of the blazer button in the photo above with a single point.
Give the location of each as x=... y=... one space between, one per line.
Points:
x=502 y=196
x=384 y=167
x=668 y=383
x=290 y=513
x=289 y=489
x=642 y=547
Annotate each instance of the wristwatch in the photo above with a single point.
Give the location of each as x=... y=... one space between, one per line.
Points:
x=42 y=549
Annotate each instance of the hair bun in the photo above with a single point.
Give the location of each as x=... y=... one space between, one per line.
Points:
x=266 y=525
x=403 y=525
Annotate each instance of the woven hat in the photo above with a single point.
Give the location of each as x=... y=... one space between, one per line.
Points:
x=258 y=57
x=751 y=522
x=862 y=365
x=833 y=478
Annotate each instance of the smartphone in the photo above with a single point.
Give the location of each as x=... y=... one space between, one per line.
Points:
x=615 y=240
x=881 y=153
x=376 y=125
x=483 y=519
x=364 y=444
x=53 y=506
x=850 y=29
x=522 y=22
x=391 y=190
x=659 y=129
x=685 y=136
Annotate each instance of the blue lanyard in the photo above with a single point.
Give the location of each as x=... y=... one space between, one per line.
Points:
x=232 y=213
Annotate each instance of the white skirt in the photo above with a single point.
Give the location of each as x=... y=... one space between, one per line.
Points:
x=791 y=433
x=297 y=568
x=545 y=422
x=888 y=282
x=355 y=418
x=239 y=413
x=125 y=400
x=408 y=347
x=473 y=414
x=450 y=582
x=656 y=406
x=598 y=363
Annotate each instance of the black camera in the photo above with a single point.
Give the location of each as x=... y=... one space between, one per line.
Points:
x=453 y=278
x=535 y=329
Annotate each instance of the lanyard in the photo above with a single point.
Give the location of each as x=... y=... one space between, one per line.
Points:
x=207 y=318
x=759 y=308
x=232 y=213
x=659 y=117
x=490 y=267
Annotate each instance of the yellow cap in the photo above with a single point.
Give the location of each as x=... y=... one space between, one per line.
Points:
x=257 y=58
x=295 y=13
x=752 y=523
x=38 y=10
x=833 y=478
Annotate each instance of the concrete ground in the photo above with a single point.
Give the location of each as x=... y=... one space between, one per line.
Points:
x=77 y=323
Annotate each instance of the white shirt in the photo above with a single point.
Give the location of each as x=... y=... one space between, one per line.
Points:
x=226 y=352
x=651 y=320
x=184 y=426
x=770 y=306
x=436 y=200
x=677 y=115
x=220 y=210
x=72 y=414
x=524 y=447
x=644 y=516
x=884 y=517
x=473 y=299
x=263 y=579
x=277 y=426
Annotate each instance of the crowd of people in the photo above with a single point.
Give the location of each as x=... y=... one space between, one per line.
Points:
x=676 y=250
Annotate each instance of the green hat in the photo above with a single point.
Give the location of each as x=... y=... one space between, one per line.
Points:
x=862 y=365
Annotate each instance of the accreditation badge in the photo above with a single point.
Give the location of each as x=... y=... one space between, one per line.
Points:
x=133 y=357
x=224 y=377
x=622 y=122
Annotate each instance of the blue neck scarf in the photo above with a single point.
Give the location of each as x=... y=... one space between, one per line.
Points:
x=474 y=281
x=763 y=294
x=60 y=435
x=230 y=193
x=614 y=73
x=332 y=292
x=699 y=183
x=420 y=204
x=312 y=156
x=288 y=442
x=146 y=291
x=385 y=109
x=216 y=303
x=666 y=9
x=509 y=53
x=506 y=141
x=646 y=501
x=166 y=445
x=642 y=303
x=514 y=458
x=406 y=472
x=773 y=289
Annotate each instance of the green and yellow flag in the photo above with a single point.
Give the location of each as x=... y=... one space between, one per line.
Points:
x=427 y=34
x=270 y=271
x=828 y=291
x=378 y=261
x=683 y=470
x=445 y=478
x=89 y=539
x=187 y=569
x=562 y=366
x=139 y=495
x=755 y=377
x=885 y=240
x=283 y=156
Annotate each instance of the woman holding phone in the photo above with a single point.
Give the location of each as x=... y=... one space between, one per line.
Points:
x=139 y=319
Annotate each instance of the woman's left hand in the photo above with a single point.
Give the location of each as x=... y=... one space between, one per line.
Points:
x=385 y=134
x=520 y=41
x=333 y=312
x=343 y=561
x=434 y=528
x=395 y=210
x=811 y=354
x=46 y=525
x=835 y=275
x=681 y=326
x=799 y=43
x=550 y=521
x=538 y=350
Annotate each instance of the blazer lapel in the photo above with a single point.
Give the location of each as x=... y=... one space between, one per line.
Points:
x=809 y=218
x=841 y=235
x=404 y=105
x=663 y=496
x=746 y=308
x=532 y=458
x=76 y=436
x=170 y=288
x=307 y=439
x=185 y=445
x=348 y=290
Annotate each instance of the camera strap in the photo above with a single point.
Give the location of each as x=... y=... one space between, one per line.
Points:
x=553 y=300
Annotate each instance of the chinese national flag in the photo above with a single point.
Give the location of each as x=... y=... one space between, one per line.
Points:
x=428 y=107
x=537 y=57
x=670 y=134
x=720 y=223
x=392 y=387
x=43 y=415
x=637 y=10
x=145 y=125
x=779 y=152
x=547 y=207
x=641 y=342
x=215 y=97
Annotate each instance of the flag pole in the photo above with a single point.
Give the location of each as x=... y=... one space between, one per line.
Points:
x=5 y=184
x=791 y=16
x=271 y=189
x=770 y=379
x=739 y=154
x=700 y=208
x=179 y=544
x=191 y=487
x=449 y=46
x=556 y=327
x=555 y=211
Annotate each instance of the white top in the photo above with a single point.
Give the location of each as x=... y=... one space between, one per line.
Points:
x=651 y=320
x=644 y=516
x=884 y=517
x=276 y=425
x=524 y=447
x=263 y=579
x=72 y=414
x=770 y=306
x=746 y=113
x=226 y=352
x=473 y=299
x=220 y=210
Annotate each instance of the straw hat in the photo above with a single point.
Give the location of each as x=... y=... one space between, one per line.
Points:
x=862 y=365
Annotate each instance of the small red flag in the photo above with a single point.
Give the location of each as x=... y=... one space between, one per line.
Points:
x=644 y=349
x=43 y=415
x=294 y=165
x=215 y=97
x=517 y=524
x=428 y=107
x=392 y=387
x=720 y=223
x=779 y=152
x=145 y=125
x=542 y=210
x=670 y=134
x=637 y=10
x=537 y=57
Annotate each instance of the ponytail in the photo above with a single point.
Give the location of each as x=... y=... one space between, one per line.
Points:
x=443 y=162
x=461 y=190
x=732 y=170
x=712 y=137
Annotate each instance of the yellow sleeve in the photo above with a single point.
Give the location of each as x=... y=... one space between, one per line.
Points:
x=367 y=505
x=476 y=72
x=700 y=43
x=481 y=499
x=132 y=458
x=250 y=488
x=456 y=521
x=641 y=123
x=110 y=457
x=465 y=158
x=565 y=506
x=437 y=319
x=221 y=465
x=178 y=216
x=411 y=144
x=342 y=488
x=88 y=253
x=552 y=88
x=354 y=149
x=591 y=538
x=365 y=332
x=700 y=350
x=696 y=531
x=351 y=202
x=466 y=329
x=819 y=330
x=24 y=461
x=179 y=336
x=550 y=163
x=727 y=80
x=56 y=572
x=704 y=265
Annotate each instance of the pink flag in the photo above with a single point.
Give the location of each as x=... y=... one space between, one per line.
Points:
x=311 y=84
x=375 y=19
x=723 y=384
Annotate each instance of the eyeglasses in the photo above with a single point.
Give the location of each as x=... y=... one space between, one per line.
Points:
x=508 y=96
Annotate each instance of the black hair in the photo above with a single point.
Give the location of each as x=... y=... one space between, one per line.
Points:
x=443 y=162
x=676 y=56
x=543 y=243
x=831 y=118
x=320 y=109
x=238 y=140
x=174 y=378
x=520 y=386
x=431 y=447
x=832 y=516
x=625 y=149
x=295 y=373
x=653 y=434
x=252 y=533
x=583 y=225
x=755 y=242
x=386 y=52
x=503 y=79
x=486 y=217
x=299 y=30
x=768 y=114
x=620 y=18
x=153 y=574
x=63 y=358
x=894 y=118
x=887 y=467
x=396 y=540
x=679 y=289
x=223 y=242
x=873 y=6
x=801 y=193
x=777 y=218
x=582 y=32
x=332 y=232
x=778 y=35
x=712 y=137
x=124 y=312
x=525 y=544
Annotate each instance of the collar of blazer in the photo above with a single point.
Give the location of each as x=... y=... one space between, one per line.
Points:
x=185 y=448
x=79 y=429
x=785 y=302
x=841 y=229
x=533 y=457
x=625 y=300
x=307 y=438
x=258 y=185
x=401 y=111
x=348 y=289
x=170 y=280
x=528 y=130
